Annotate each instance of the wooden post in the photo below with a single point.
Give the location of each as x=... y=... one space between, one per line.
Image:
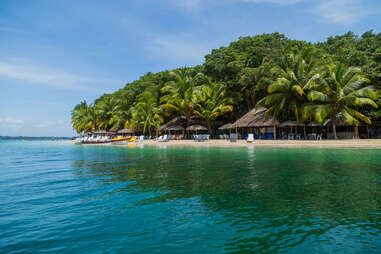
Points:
x=356 y=131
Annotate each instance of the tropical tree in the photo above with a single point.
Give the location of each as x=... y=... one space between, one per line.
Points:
x=341 y=91
x=146 y=113
x=295 y=72
x=212 y=102
x=78 y=116
x=180 y=94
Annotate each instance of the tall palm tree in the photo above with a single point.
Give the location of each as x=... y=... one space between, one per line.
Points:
x=212 y=102
x=180 y=94
x=295 y=72
x=340 y=91
x=145 y=113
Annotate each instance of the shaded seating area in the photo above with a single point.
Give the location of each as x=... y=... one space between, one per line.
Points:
x=195 y=131
x=255 y=122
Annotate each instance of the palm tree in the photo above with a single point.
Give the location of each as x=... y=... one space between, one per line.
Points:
x=145 y=113
x=212 y=102
x=341 y=91
x=78 y=115
x=104 y=110
x=180 y=94
x=295 y=72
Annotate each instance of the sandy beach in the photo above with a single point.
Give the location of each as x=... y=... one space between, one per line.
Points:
x=349 y=143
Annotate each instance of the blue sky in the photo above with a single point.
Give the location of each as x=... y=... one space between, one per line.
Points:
x=53 y=54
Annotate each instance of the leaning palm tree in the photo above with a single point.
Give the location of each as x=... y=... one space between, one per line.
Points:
x=294 y=73
x=341 y=91
x=212 y=102
x=180 y=94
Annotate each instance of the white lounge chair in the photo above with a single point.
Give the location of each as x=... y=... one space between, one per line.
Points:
x=141 y=138
x=164 y=138
x=250 y=138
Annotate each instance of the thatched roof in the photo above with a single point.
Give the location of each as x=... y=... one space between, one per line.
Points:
x=175 y=121
x=125 y=131
x=290 y=124
x=175 y=128
x=104 y=132
x=196 y=127
x=227 y=126
x=255 y=118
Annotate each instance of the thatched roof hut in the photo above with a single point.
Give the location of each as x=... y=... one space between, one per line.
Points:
x=290 y=124
x=175 y=128
x=227 y=126
x=125 y=131
x=196 y=127
x=255 y=118
x=175 y=121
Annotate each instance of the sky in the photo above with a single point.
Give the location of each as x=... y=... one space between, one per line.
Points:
x=54 y=54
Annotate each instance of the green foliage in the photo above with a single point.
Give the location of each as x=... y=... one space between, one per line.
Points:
x=211 y=102
x=287 y=76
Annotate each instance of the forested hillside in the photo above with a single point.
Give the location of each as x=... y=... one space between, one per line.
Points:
x=294 y=79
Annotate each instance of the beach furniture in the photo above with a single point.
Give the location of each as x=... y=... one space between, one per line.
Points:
x=164 y=138
x=141 y=138
x=250 y=138
x=291 y=136
x=132 y=139
x=233 y=137
x=160 y=138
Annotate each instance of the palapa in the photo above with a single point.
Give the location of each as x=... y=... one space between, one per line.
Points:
x=227 y=126
x=196 y=127
x=175 y=121
x=255 y=118
x=291 y=124
x=175 y=128
x=125 y=131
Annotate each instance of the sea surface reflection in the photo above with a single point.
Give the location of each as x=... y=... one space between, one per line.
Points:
x=65 y=198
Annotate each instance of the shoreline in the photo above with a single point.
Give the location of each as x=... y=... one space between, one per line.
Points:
x=349 y=143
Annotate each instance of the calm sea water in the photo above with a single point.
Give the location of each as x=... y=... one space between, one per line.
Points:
x=62 y=198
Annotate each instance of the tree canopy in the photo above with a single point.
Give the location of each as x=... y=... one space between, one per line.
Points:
x=282 y=74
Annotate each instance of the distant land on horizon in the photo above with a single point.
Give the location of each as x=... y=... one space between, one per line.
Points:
x=34 y=138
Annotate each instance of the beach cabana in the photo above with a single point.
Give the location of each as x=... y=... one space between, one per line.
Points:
x=196 y=128
x=175 y=121
x=293 y=127
x=256 y=119
x=227 y=126
x=125 y=131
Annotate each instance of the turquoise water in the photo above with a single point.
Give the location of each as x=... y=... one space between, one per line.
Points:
x=57 y=197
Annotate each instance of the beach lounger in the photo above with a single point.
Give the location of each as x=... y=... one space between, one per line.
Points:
x=250 y=138
x=141 y=138
x=164 y=139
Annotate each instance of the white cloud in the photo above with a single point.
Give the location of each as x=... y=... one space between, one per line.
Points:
x=180 y=49
x=343 y=12
x=54 y=124
x=10 y=121
x=33 y=73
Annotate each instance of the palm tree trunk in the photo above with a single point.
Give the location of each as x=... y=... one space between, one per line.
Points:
x=334 y=125
x=356 y=132
x=209 y=127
